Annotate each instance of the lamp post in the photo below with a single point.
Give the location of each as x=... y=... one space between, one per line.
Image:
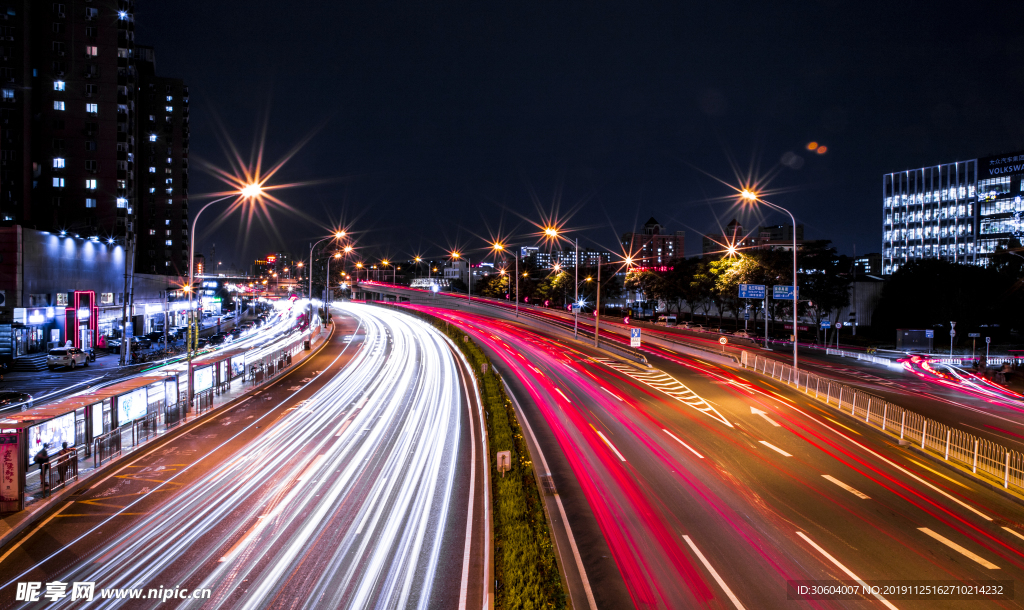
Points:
x=250 y=192
x=328 y=295
x=752 y=196
x=500 y=247
x=469 y=267
x=337 y=235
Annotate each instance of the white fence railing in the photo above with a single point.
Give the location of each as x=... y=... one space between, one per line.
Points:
x=979 y=455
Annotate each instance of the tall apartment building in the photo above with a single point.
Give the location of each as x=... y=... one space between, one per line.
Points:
x=653 y=247
x=163 y=169
x=959 y=212
x=70 y=120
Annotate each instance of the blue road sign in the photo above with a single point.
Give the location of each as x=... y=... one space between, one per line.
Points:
x=929 y=334
x=826 y=324
x=783 y=292
x=634 y=337
x=751 y=291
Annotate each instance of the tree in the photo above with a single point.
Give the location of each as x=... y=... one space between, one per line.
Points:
x=823 y=282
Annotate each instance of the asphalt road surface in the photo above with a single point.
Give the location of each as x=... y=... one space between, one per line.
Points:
x=694 y=484
x=346 y=484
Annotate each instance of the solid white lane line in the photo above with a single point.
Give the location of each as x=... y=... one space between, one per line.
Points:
x=563 y=396
x=466 y=555
x=832 y=479
x=844 y=569
x=682 y=443
x=774 y=448
x=38 y=527
x=959 y=549
x=609 y=443
x=718 y=579
x=558 y=500
x=613 y=395
x=1014 y=532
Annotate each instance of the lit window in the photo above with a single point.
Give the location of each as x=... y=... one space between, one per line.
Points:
x=58 y=105
x=90 y=202
x=122 y=15
x=152 y=170
x=58 y=85
x=91 y=108
x=169 y=108
x=90 y=184
x=58 y=183
x=152 y=137
x=152 y=231
x=152 y=118
x=169 y=243
x=170 y=191
x=152 y=190
x=91 y=51
x=58 y=162
x=169 y=160
x=170 y=98
x=170 y=201
x=167 y=222
x=122 y=202
x=7 y=94
x=170 y=181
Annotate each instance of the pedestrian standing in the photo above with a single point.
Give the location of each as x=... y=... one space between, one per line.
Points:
x=43 y=460
x=63 y=462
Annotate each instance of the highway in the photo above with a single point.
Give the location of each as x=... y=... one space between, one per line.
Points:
x=974 y=407
x=694 y=484
x=349 y=483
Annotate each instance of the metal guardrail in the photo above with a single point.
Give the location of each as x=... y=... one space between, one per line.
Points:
x=866 y=357
x=62 y=471
x=950 y=444
x=106 y=446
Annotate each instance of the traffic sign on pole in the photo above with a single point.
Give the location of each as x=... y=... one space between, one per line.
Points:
x=826 y=324
x=783 y=292
x=634 y=337
x=752 y=291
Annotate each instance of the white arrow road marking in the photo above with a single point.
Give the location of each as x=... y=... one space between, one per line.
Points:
x=959 y=549
x=764 y=415
x=832 y=479
x=774 y=448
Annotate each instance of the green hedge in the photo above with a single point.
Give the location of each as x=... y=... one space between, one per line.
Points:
x=524 y=558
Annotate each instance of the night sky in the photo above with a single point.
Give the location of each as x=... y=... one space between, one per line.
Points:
x=439 y=124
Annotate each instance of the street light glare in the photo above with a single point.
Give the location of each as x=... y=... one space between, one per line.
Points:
x=551 y=232
x=348 y=249
x=250 y=191
x=748 y=195
x=499 y=246
x=339 y=234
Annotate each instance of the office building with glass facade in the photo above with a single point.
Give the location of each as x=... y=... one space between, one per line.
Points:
x=959 y=212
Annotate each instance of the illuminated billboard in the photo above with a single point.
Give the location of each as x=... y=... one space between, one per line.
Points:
x=132 y=406
x=51 y=434
x=202 y=379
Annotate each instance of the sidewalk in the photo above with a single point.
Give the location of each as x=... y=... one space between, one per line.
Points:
x=13 y=523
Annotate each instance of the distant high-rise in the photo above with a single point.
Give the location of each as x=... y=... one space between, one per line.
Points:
x=70 y=123
x=163 y=168
x=653 y=247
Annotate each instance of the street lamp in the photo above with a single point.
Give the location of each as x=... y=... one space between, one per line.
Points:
x=328 y=297
x=337 y=235
x=553 y=233
x=469 y=268
x=248 y=192
x=751 y=196
x=500 y=247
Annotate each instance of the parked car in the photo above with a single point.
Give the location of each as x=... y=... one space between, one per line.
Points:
x=141 y=343
x=202 y=342
x=10 y=400
x=216 y=339
x=695 y=327
x=743 y=334
x=66 y=356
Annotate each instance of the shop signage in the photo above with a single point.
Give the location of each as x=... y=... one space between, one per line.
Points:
x=1001 y=165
